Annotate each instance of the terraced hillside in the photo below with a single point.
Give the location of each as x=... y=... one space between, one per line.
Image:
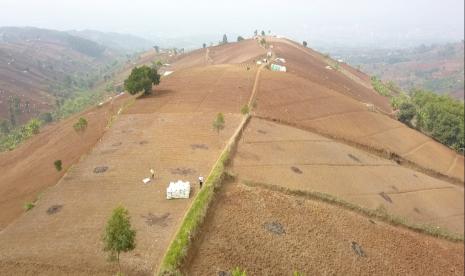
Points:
x=313 y=131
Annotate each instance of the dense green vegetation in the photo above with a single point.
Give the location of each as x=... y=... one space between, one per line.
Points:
x=438 y=116
x=10 y=139
x=379 y=86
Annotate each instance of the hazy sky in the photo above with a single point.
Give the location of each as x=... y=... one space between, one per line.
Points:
x=338 y=21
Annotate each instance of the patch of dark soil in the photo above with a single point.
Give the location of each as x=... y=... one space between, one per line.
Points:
x=417 y=210
x=199 y=146
x=183 y=171
x=358 y=249
x=117 y=144
x=296 y=170
x=54 y=209
x=151 y=219
x=274 y=227
x=394 y=188
x=386 y=197
x=415 y=175
x=144 y=142
x=100 y=169
x=372 y=221
x=353 y=157
x=262 y=131
x=224 y=273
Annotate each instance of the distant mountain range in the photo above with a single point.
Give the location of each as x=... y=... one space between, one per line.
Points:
x=122 y=42
x=40 y=67
x=438 y=68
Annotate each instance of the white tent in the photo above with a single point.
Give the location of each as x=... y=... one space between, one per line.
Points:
x=178 y=189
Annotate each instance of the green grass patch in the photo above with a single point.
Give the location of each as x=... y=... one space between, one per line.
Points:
x=379 y=213
x=29 y=205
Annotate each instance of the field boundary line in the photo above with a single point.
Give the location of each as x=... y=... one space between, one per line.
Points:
x=416 y=148
x=379 y=213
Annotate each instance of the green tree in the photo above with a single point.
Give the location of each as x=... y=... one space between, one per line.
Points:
x=406 y=113
x=255 y=33
x=118 y=235
x=157 y=49
x=304 y=43
x=263 y=33
x=204 y=45
x=225 y=39
x=80 y=126
x=218 y=123
x=141 y=79
x=58 y=165
x=240 y=38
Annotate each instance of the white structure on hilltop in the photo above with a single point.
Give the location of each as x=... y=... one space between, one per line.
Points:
x=178 y=189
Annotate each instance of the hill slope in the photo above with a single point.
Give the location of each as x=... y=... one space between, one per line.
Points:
x=40 y=66
x=125 y=43
x=332 y=133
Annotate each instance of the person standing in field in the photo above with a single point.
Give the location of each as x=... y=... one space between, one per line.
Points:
x=200 y=181
x=152 y=173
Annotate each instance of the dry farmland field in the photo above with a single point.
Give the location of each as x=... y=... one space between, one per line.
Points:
x=70 y=217
x=298 y=101
x=268 y=233
x=298 y=160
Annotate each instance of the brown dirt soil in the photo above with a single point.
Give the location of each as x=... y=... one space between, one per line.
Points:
x=309 y=64
x=232 y=53
x=158 y=132
x=224 y=88
x=268 y=152
x=311 y=237
x=29 y=169
x=31 y=164
x=69 y=238
x=314 y=106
